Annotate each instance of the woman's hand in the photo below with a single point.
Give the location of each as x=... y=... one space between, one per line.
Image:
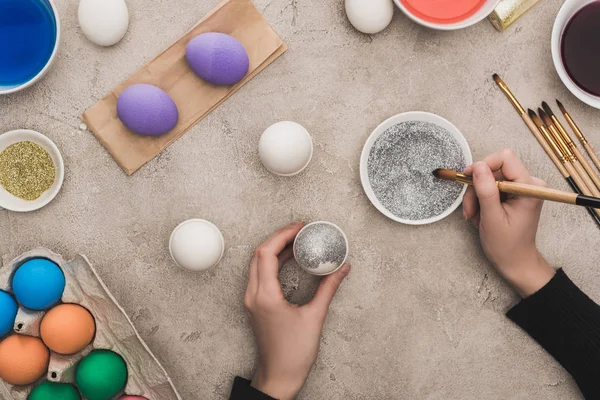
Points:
x=287 y=335
x=507 y=229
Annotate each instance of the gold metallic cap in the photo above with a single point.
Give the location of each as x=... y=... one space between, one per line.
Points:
x=508 y=11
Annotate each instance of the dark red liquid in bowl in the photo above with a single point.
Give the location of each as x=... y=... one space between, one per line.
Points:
x=580 y=48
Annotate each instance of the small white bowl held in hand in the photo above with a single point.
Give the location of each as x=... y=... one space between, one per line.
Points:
x=321 y=248
x=567 y=11
x=404 y=117
x=485 y=10
x=196 y=245
x=12 y=203
x=40 y=75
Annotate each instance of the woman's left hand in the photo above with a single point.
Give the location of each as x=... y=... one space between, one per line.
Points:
x=287 y=335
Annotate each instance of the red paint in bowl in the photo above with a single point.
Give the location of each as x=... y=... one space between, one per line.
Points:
x=443 y=11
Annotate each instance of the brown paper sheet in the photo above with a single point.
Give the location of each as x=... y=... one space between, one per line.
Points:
x=195 y=98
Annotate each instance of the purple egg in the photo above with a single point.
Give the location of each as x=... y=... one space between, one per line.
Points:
x=147 y=110
x=217 y=58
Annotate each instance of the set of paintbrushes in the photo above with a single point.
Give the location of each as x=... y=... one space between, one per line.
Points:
x=562 y=150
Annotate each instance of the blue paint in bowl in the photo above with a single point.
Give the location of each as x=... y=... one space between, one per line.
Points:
x=28 y=39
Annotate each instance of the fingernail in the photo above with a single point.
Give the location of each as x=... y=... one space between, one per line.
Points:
x=345 y=270
x=479 y=169
x=464 y=214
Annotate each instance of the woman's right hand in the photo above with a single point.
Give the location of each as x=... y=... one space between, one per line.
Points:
x=507 y=229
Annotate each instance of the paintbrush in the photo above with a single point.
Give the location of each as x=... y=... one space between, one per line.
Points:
x=524 y=190
x=588 y=148
x=569 y=155
x=574 y=180
x=521 y=111
x=588 y=168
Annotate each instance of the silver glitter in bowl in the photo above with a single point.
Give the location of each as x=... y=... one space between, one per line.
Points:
x=400 y=169
x=320 y=248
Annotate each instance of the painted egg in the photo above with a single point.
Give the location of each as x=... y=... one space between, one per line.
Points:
x=8 y=312
x=370 y=16
x=38 y=284
x=101 y=375
x=321 y=248
x=285 y=148
x=147 y=110
x=217 y=58
x=67 y=328
x=23 y=359
x=53 y=391
x=103 y=22
x=196 y=245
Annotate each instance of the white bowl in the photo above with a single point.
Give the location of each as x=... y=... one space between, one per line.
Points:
x=485 y=10
x=12 y=203
x=312 y=271
x=12 y=89
x=568 y=9
x=404 y=117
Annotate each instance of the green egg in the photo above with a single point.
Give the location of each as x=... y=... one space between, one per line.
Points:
x=101 y=375
x=54 y=391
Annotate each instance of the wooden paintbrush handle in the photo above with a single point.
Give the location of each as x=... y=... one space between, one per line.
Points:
x=537 y=192
x=587 y=167
x=592 y=154
x=536 y=132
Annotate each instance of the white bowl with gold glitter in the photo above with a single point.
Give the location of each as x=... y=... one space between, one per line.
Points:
x=9 y=156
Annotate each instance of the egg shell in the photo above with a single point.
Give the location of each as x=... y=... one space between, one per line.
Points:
x=147 y=110
x=23 y=359
x=38 y=284
x=321 y=248
x=67 y=329
x=285 y=148
x=8 y=312
x=370 y=16
x=217 y=58
x=54 y=391
x=196 y=245
x=103 y=22
x=101 y=375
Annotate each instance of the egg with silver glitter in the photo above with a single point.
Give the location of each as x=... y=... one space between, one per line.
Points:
x=321 y=248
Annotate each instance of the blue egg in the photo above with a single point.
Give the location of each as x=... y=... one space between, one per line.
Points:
x=8 y=312
x=38 y=284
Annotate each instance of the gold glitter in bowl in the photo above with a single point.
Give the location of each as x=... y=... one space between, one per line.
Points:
x=26 y=170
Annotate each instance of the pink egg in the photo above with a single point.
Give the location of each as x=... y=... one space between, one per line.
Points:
x=133 y=398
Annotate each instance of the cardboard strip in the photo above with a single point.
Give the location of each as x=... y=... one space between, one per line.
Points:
x=195 y=98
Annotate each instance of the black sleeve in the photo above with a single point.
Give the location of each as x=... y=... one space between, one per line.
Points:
x=243 y=391
x=565 y=322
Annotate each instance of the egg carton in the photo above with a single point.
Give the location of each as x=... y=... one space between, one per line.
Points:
x=114 y=331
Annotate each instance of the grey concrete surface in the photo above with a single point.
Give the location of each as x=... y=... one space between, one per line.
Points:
x=422 y=313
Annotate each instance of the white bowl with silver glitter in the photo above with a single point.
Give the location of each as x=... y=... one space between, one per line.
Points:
x=321 y=248
x=12 y=203
x=454 y=140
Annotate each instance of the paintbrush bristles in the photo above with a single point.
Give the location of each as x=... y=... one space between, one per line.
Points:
x=445 y=174
x=547 y=108
x=536 y=120
x=545 y=117
x=562 y=108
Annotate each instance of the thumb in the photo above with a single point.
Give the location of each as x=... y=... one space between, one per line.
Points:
x=487 y=192
x=327 y=289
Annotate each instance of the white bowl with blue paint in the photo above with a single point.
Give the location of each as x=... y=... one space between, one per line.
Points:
x=33 y=29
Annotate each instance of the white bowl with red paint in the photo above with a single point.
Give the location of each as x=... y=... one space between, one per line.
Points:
x=485 y=10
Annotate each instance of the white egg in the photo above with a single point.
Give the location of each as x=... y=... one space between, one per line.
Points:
x=370 y=16
x=103 y=22
x=285 y=148
x=196 y=245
